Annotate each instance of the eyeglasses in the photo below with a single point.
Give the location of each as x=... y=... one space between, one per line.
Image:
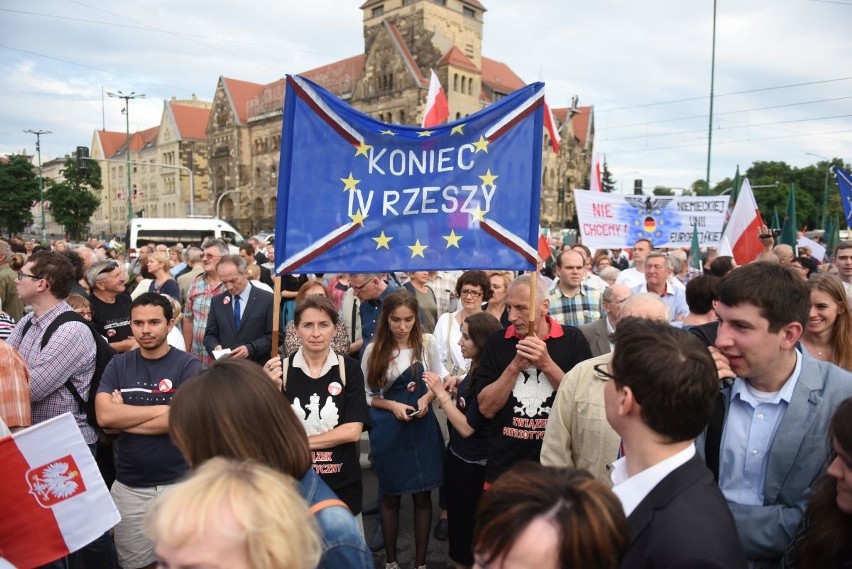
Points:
x=471 y=293
x=601 y=369
x=362 y=286
x=22 y=274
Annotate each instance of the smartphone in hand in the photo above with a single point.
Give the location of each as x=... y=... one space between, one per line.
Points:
x=412 y=413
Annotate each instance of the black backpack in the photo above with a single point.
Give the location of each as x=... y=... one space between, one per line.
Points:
x=104 y=354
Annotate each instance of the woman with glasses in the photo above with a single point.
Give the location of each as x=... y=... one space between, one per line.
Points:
x=472 y=289
x=163 y=283
x=405 y=439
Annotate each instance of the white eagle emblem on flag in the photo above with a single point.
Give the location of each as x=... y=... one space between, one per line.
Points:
x=56 y=481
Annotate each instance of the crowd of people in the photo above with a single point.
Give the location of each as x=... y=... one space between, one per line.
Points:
x=613 y=410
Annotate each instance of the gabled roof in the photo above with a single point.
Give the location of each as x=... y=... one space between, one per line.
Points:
x=143 y=138
x=339 y=77
x=474 y=3
x=497 y=76
x=457 y=58
x=581 y=120
x=239 y=93
x=191 y=121
x=110 y=141
x=396 y=37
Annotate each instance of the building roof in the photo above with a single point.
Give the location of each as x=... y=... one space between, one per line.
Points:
x=339 y=77
x=240 y=92
x=143 y=138
x=457 y=58
x=191 y=121
x=581 y=120
x=406 y=54
x=111 y=142
x=473 y=3
x=497 y=76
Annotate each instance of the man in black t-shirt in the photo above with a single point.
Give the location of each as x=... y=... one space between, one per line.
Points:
x=110 y=305
x=133 y=398
x=519 y=372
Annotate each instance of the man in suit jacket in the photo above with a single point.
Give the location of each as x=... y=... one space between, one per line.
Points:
x=658 y=399
x=597 y=332
x=766 y=439
x=241 y=317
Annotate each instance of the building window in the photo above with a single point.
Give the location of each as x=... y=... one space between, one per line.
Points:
x=463 y=83
x=468 y=12
x=455 y=81
x=378 y=10
x=402 y=116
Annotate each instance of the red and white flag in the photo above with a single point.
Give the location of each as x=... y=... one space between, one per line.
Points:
x=595 y=184
x=437 y=109
x=550 y=125
x=742 y=233
x=52 y=497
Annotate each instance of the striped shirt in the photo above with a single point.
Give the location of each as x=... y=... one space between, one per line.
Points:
x=70 y=354
x=582 y=308
x=196 y=310
x=14 y=388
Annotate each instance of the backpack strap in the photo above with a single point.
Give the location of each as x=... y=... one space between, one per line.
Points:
x=323 y=504
x=342 y=373
x=713 y=438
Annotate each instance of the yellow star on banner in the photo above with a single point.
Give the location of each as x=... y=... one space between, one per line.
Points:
x=382 y=241
x=458 y=129
x=481 y=144
x=388 y=132
x=362 y=149
x=417 y=249
x=424 y=133
x=350 y=183
x=358 y=218
x=488 y=179
x=452 y=239
x=478 y=215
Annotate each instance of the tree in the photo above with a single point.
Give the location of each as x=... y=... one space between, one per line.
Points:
x=699 y=188
x=18 y=191
x=607 y=183
x=663 y=191
x=72 y=202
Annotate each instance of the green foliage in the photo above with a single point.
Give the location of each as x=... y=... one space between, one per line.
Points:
x=607 y=183
x=72 y=202
x=18 y=190
x=699 y=188
x=663 y=191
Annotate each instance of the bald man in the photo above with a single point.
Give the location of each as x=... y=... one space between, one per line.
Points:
x=578 y=435
x=597 y=333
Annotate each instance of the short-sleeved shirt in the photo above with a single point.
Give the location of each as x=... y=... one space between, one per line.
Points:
x=517 y=430
x=323 y=403
x=582 y=308
x=14 y=388
x=148 y=460
x=196 y=310
x=370 y=311
x=112 y=320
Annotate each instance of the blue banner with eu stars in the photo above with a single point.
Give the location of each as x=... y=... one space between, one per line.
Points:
x=358 y=195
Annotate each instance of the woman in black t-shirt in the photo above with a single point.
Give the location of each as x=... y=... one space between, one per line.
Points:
x=464 y=467
x=326 y=392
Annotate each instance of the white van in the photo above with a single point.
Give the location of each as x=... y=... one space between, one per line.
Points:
x=185 y=230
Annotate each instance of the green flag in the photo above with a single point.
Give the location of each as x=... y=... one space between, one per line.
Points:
x=695 y=250
x=831 y=237
x=735 y=190
x=776 y=224
x=789 y=229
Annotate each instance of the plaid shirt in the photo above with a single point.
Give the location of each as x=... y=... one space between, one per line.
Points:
x=14 y=388
x=444 y=287
x=196 y=310
x=582 y=308
x=70 y=353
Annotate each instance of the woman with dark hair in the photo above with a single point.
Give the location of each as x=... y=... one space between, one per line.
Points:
x=549 y=518
x=804 y=266
x=472 y=289
x=292 y=338
x=233 y=410
x=405 y=439
x=828 y=336
x=464 y=466
x=824 y=538
x=326 y=392
x=701 y=297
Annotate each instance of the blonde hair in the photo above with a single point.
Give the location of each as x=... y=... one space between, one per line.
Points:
x=275 y=525
x=161 y=257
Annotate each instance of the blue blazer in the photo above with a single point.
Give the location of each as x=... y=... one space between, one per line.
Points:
x=797 y=457
x=255 y=331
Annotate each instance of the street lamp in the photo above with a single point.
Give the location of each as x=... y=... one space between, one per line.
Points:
x=624 y=175
x=131 y=95
x=824 y=187
x=38 y=134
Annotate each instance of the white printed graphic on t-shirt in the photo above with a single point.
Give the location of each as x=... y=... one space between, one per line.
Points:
x=316 y=421
x=531 y=390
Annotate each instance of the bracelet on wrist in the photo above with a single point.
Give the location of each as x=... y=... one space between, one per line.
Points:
x=444 y=402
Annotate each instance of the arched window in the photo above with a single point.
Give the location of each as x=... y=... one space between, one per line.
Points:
x=455 y=81
x=402 y=116
x=464 y=82
x=258 y=208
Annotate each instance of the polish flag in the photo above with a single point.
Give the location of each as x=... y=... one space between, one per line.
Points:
x=550 y=125
x=52 y=496
x=742 y=233
x=437 y=109
x=595 y=183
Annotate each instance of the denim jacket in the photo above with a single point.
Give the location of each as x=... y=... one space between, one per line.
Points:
x=343 y=543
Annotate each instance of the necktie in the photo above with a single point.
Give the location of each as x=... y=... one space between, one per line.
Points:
x=236 y=311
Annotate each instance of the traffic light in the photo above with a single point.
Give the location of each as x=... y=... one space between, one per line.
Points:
x=637 y=187
x=83 y=158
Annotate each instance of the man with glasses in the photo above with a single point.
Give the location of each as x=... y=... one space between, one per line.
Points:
x=110 y=305
x=370 y=289
x=577 y=434
x=573 y=302
x=198 y=296
x=598 y=332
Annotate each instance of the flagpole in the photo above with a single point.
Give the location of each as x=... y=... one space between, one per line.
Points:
x=712 y=82
x=276 y=315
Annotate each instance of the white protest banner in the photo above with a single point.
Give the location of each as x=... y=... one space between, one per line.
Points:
x=615 y=221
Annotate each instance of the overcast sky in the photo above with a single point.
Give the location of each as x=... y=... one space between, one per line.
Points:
x=783 y=70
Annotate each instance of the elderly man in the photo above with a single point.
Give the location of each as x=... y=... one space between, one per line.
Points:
x=8 y=290
x=202 y=290
x=635 y=275
x=370 y=289
x=572 y=301
x=784 y=253
x=598 y=333
x=241 y=317
x=110 y=306
x=577 y=434
x=519 y=370
x=657 y=282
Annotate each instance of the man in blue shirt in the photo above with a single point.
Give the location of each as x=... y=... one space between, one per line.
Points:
x=370 y=289
x=766 y=439
x=657 y=281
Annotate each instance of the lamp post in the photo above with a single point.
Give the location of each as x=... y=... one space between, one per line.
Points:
x=38 y=134
x=127 y=98
x=624 y=175
x=824 y=186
